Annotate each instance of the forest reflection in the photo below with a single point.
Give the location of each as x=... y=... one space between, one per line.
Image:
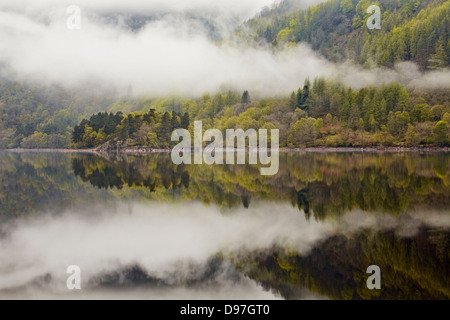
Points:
x=309 y=231
x=320 y=184
x=413 y=268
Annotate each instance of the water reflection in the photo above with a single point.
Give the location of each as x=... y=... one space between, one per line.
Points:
x=140 y=226
x=320 y=184
x=412 y=268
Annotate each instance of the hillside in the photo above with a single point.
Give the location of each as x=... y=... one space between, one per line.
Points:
x=411 y=30
x=39 y=116
x=323 y=112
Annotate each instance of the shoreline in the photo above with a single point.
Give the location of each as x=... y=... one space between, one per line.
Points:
x=145 y=150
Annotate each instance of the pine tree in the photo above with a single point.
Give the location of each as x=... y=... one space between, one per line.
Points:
x=175 y=121
x=78 y=132
x=165 y=129
x=299 y=103
x=185 y=121
x=150 y=117
x=335 y=104
x=439 y=60
x=110 y=125
x=306 y=89
x=373 y=125
x=245 y=97
x=231 y=98
x=293 y=101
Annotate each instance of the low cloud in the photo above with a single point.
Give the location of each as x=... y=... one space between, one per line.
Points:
x=171 y=243
x=170 y=53
x=162 y=239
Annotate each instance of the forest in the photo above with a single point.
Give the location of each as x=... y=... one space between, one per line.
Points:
x=37 y=116
x=322 y=112
x=411 y=30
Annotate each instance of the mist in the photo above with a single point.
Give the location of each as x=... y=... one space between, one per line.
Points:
x=174 y=51
x=173 y=244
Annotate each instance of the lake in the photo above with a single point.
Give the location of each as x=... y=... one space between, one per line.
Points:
x=142 y=227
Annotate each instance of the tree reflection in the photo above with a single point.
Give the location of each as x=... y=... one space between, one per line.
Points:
x=412 y=268
x=323 y=186
x=319 y=184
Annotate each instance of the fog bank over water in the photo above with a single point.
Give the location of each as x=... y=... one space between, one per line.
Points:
x=172 y=245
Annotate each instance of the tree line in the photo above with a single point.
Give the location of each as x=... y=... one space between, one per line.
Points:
x=321 y=113
x=140 y=129
x=322 y=186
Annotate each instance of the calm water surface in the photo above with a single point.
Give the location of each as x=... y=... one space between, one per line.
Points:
x=141 y=227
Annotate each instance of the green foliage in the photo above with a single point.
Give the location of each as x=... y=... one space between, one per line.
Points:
x=36 y=140
x=150 y=129
x=245 y=97
x=411 y=30
x=31 y=119
x=440 y=59
x=411 y=137
x=347 y=6
x=398 y=123
x=421 y=113
x=35 y=116
x=185 y=121
x=441 y=134
x=321 y=113
x=446 y=117
x=304 y=132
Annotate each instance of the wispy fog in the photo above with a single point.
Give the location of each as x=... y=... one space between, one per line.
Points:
x=175 y=50
x=243 y=9
x=174 y=244
x=162 y=239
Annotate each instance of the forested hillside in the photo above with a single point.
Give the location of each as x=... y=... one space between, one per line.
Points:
x=39 y=116
x=411 y=30
x=322 y=113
